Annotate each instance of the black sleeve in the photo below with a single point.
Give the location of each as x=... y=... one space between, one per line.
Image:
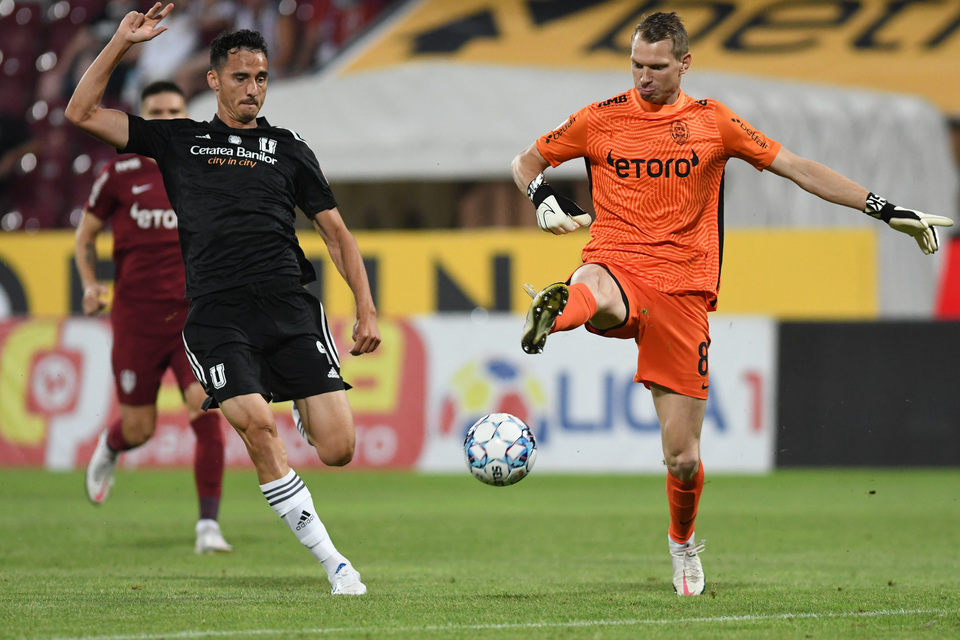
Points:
x=313 y=193
x=147 y=138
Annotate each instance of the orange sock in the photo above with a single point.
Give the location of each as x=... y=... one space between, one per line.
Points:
x=683 y=498
x=580 y=307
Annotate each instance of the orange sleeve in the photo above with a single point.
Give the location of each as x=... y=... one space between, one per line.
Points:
x=567 y=141
x=741 y=140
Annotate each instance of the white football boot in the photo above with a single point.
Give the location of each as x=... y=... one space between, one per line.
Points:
x=209 y=538
x=346 y=581
x=100 y=470
x=688 y=577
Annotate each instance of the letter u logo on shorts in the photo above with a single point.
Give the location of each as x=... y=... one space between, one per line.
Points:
x=217 y=376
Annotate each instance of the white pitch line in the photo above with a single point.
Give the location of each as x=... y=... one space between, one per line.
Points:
x=517 y=625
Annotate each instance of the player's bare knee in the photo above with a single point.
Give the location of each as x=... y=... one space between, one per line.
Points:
x=136 y=432
x=337 y=454
x=136 y=438
x=604 y=288
x=259 y=436
x=683 y=467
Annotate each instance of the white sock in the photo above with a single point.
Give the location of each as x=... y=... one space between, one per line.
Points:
x=291 y=500
x=674 y=543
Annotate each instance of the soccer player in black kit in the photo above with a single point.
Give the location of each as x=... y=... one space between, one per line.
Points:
x=253 y=333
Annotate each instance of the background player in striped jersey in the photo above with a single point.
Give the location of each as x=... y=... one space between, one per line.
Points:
x=655 y=160
x=147 y=315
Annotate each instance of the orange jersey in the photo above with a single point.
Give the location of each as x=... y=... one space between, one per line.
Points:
x=656 y=175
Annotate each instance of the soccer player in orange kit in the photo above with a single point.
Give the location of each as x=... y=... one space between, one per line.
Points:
x=651 y=270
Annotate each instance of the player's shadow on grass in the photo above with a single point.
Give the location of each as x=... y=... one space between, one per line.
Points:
x=156 y=541
x=260 y=584
x=178 y=537
x=579 y=590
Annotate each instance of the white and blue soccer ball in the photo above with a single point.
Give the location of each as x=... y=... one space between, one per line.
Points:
x=500 y=449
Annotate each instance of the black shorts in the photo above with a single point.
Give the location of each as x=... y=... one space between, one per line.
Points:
x=270 y=338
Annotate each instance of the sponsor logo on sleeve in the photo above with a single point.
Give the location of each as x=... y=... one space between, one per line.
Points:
x=559 y=131
x=754 y=135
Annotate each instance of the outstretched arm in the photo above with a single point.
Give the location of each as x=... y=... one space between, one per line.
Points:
x=819 y=180
x=84 y=108
x=833 y=187
x=343 y=250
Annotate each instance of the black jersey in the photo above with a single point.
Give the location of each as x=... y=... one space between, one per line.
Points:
x=235 y=193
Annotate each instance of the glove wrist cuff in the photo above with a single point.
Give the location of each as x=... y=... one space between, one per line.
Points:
x=541 y=193
x=534 y=185
x=878 y=207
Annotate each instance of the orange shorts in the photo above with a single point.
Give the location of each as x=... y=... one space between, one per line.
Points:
x=672 y=335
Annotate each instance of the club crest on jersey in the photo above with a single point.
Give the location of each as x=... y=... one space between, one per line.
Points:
x=234 y=139
x=128 y=380
x=267 y=145
x=679 y=131
x=217 y=376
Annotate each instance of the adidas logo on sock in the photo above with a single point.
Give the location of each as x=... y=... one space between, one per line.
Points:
x=305 y=518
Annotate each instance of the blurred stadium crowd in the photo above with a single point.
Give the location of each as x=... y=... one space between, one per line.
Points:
x=47 y=166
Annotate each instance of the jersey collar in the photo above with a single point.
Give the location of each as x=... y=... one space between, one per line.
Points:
x=220 y=124
x=665 y=109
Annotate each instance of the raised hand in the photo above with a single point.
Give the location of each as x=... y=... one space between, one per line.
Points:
x=140 y=27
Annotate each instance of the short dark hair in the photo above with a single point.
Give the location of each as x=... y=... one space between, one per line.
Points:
x=230 y=41
x=161 y=86
x=664 y=26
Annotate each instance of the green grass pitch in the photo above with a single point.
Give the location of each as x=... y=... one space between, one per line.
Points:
x=817 y=554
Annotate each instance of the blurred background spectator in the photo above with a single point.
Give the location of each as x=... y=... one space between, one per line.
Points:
x=47 y=166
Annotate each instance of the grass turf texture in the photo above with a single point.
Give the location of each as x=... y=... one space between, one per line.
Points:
x=797 y=554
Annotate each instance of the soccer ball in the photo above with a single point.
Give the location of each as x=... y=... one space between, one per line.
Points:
x=500 y=449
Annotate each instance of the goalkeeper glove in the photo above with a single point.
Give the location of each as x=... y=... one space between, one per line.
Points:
x=917 y=224
x=555 y=213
